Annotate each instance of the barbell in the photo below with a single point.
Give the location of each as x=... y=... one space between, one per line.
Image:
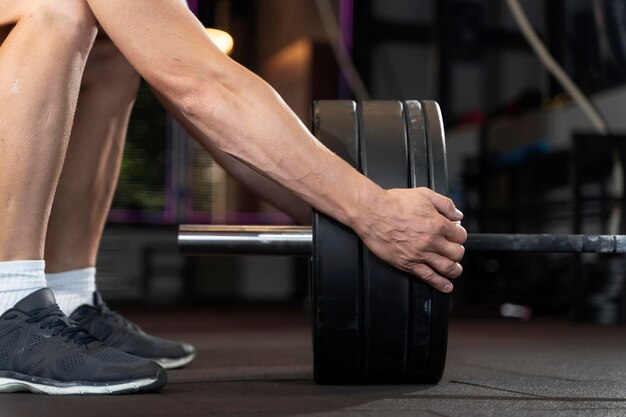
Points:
x=199 y=240
x=373 y=323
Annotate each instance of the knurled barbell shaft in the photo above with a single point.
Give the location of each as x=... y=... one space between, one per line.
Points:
x=298 y=240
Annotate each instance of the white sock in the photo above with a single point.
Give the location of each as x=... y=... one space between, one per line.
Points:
x=18 y=279
x=73 y=288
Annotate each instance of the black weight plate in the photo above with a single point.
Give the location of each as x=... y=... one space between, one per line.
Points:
x=384 y=159
x=420 y=292
x=336 y=276
x=438 y=167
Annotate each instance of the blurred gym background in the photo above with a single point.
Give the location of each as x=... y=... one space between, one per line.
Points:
x=523 y=158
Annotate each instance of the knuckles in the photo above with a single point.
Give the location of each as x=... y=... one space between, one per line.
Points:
x=425 y=273
x=460 y=254
x=448 y=205
x=453 y=270
x=462 y=233
x=439 y=227
x=427 y=241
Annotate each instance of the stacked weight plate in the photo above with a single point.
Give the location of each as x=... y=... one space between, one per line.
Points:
x=336 y=266
x=371 y=322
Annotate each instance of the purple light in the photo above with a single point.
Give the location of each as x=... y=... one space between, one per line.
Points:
x=346 y=22
x=346 y=16
x=194 y=6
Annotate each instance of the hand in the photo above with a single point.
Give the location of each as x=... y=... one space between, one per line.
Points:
x=418 y=231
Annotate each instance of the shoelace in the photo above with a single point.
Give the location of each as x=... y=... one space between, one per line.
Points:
x=108 y=313
x=54 y=319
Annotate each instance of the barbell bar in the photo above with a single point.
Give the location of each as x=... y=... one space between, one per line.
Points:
x=371 y=322
x=298 y=240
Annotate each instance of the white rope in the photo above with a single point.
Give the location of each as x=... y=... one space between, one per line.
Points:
x=554 y=68
x=583 y=102
x=331 y=27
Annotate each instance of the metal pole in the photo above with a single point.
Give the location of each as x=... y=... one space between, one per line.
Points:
x=546 y=243
x=244 y=240
x=296 y=240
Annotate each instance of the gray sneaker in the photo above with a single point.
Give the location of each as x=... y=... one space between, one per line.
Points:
x=114 y=330
x=42 y=351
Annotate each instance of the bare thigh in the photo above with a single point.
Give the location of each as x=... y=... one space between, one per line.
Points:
x=10 y=13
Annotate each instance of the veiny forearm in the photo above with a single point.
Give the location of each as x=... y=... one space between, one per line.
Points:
x=245 y=118
x=259 y=184
x=232 y=108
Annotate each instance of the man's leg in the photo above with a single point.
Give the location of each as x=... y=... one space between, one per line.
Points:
x=82 y=202
x=93 y=160
x=42 y=58
x=89 y=175
x=38 y=101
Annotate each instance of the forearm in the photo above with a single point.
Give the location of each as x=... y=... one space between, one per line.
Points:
x=233 y=109
x=259 y=184
x=245 y=118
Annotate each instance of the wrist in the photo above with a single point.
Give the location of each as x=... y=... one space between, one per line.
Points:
x=368 y=198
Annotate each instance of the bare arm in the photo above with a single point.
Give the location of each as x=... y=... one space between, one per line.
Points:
x=265 y=188
x=241 y=115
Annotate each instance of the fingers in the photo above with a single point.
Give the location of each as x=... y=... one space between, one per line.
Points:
x=439 y=264
x=453 y=231
x=428 y=275
x=444 y=205
x=456 y=233
x=453 y=251
x=443 y=266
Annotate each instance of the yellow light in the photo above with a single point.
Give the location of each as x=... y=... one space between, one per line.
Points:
x=221 y=39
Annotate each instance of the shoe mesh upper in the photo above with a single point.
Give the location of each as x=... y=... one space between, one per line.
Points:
x=37 y=364
x=34 y=343
x=115 y=330
x=116 y=356
x=74 y=361
x=7 y=344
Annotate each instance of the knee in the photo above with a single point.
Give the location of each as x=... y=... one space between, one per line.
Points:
x=71 y=18
x=107 y=67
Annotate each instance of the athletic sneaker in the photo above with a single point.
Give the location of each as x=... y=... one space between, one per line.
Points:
x=114 y=330
x=42 y=351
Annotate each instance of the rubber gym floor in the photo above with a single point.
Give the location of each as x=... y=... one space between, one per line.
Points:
x=258 y=363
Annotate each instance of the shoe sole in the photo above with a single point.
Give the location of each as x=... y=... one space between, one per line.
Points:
x=47 y=386
x=173 y=363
